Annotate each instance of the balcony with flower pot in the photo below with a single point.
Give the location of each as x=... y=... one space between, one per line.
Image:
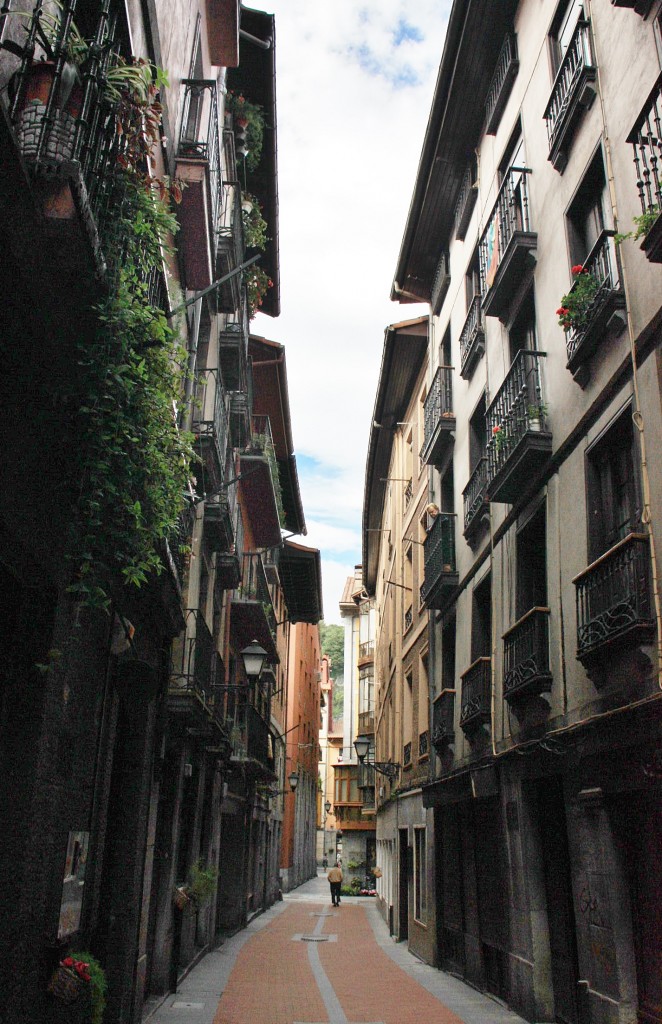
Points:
x=476 y=504
x=519 y=441
x=526 y=670
x=507 y=246
x=476 y=696
x=472 y=339
x=593 y=309
x=646 y=141
x=210 y=425
x=439 y=419
x=260 y=484
x=615 y=611
x=191 y=683
x=198 y=165
x=252 y=615
x=573 y=93
x=440 y=572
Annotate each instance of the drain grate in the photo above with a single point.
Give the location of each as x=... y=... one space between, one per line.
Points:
x=314 y=938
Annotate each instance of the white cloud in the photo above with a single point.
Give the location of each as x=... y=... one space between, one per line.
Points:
x=349 y=142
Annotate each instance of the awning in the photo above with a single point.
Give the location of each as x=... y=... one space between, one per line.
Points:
x=300 y=574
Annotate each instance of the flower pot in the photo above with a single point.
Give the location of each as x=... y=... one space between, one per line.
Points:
x=55 y=143
x=66 y=985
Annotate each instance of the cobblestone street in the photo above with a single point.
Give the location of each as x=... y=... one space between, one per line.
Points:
x=304 y=962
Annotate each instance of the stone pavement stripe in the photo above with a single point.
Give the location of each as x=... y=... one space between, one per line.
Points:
x=333 y=1007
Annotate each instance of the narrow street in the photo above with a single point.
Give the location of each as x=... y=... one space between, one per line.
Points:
x=304 y=962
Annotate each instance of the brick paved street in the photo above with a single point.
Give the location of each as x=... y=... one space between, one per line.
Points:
x=305 y=962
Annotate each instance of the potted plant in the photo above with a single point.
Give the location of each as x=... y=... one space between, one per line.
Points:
x=202 y=884
x=574 y=313
x=254 y=224
x=249 y=117
x=535 y=414
x=77 y=976
x=258 y=283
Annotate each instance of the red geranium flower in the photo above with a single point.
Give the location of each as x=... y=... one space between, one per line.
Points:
x=578 y=269
x=68 y=962
x=495 y=430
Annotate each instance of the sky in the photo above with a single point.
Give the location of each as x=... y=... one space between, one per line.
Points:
x=354 y=84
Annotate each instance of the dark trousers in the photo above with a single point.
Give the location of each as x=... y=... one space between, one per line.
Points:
x=335 y=892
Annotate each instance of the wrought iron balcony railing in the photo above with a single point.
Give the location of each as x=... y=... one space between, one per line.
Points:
x=502 y=82
x=466 y=201
x=253 y=616
x=246 y=726
x=614 y=601
x=506 y=247
x=438 y=415
x=646 y=141
x=443 y=721
x=440 y=573
x=408 y=494
x=199 y=137
x=230 y=246
x=367 y=649
x=440 y=285
x=526 y=656
x=518 y=439
x=476 y=696
x=179 y=543
x=262 y=443
x=211 y=424
x=475 y=497
x=598 y=321
x=472 y=338
x=192 y=660
x=366 y=722
x=572 y=93
x=409 y=619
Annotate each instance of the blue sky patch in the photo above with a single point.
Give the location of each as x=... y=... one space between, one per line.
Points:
x=404 y=32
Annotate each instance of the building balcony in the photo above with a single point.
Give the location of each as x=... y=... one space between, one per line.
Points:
x=438 y=417
x=506 y=249
x=233 y=350
x=261 y=484
x=476 y=504
x=466 y=201
x=443 y=721
x=178 y=547
x=573 y=92
x=646 y=141
x=241 y=410
x=365 y=778
x=526 y=669
x=210 y=425
x=252 y=611
x=505 y=73
x=440 y=574
x=602 y=318
x=440 y=285
x=198 y=165
x=366 y=652
x=614 y=600
x=248 y=730
x=366 y=723
x=230 y=247
x=191 y=683
x=641 y=7
x=219 y=515
x=519 y=443
x=472 y=339
x=476 y=701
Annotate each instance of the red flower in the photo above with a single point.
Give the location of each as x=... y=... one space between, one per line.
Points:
x=578 y=269
x=67 y=962
x=495 y=430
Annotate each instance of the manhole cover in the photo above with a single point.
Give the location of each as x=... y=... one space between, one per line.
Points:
x=314 y=938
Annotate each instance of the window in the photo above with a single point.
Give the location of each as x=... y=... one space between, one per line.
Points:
x=532 y=564
x=477 y=435
x=423 y=695
x=420 y=888
x=586 y=215
x=445 y=358
x=563 y=27
x=614 y=508
x=346 y=789
x=408 y=710
x=448 y=490
x=472 y=280
x=522 y=333
x=448 y=655
x=481 y=620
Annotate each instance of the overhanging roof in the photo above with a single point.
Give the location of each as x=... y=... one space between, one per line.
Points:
x=271 y=398
x=300 y=572
x=405 y=348
x=256 y=79
x=475 y=33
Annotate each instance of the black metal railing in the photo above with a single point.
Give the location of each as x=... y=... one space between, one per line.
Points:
x=516 y=409
x=526 y=654
x=254 y=586
x=443 y=720
x=614 y=595
x=465 y=201
x=423 y=743
x=475 y=493
x=510 y=215
x=408 y=494
x=476 y=694
x=472 y=332
x=199 y=138
x=262 y=442
x=192 y=659
x=438 y=551
x=211 y=421
x=504 y=73
x=406 y=754
x=577 y=61
x=179 y=541
x=603 y=266
x=438 y=403
x=247 y=728
x=646 y=141
x=442 y=279
x=230 y=229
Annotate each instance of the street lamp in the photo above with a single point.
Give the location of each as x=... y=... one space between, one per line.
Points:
x=293 y=780
x=391 y=769
x=253 y=658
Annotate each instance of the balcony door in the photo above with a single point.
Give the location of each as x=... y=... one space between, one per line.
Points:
x=532 y=564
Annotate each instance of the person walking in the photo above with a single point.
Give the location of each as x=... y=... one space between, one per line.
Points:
x=335 y=879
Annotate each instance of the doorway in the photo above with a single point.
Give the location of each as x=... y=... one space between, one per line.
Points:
x=405 y=864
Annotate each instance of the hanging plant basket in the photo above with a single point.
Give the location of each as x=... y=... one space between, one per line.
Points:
x=66 y=985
